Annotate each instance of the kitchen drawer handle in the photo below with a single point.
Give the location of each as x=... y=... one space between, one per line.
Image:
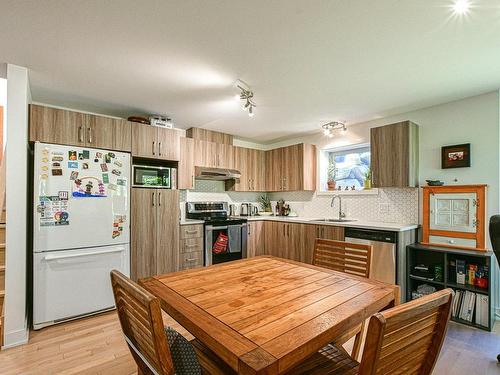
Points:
x=191 y=231
x=191 y=259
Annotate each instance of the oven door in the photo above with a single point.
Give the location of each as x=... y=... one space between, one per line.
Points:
x=224 y=243
x=152 y=176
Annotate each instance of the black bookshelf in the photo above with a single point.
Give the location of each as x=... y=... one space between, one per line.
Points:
x=444 y=257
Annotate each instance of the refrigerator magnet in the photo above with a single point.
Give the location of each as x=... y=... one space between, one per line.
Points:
x=57 y=172
x=105 y=178
x=111 y=155
x=45 y=160
x=118 y=163
x=104 y=167
x=72 y=155
x=56 y=165
x=57 y=158
x=85 y=165
x=86 y=154
x=115 y=234
x=73 y=164
x=45 y=168
x=116 y=172
x=121 y=182
x=112 y=187
x=107 y=158
x=44 y=176
x=63 y=195
x=74 y=175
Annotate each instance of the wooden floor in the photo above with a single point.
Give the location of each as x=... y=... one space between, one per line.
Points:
x=95 y=346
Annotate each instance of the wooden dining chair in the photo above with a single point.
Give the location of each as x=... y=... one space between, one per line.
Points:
x=156 y=350
x=406 y=339
x=351 y=258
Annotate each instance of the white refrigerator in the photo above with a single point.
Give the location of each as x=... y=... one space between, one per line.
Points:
x=81 y=230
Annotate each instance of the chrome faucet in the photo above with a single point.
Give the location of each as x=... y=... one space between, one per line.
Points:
x=341 y=214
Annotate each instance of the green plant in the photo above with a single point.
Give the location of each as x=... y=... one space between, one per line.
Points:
x=332 y=170
x=368 y=174
x=265 y=203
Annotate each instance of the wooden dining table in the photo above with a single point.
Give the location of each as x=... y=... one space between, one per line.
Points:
x=264 y=315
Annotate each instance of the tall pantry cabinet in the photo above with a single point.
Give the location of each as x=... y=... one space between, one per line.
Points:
x=155 y=232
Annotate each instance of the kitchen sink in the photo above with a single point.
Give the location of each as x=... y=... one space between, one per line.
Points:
x=334 y=220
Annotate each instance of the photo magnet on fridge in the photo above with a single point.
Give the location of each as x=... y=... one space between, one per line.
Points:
x=72 y=155
x=57 y=158
x=104 y=167
x=74 y=175
x=73 y=164
x=118 y=163
x=57 y=172
x=105 y=178
x=86 y=154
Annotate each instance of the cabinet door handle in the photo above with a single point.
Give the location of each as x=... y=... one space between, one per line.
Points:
x=80 y=139
x=154 y=148
x=191 y=259
x=159 y=199
x=159 y=148
x=90 y=134
x=288 y=230
x=153 y=199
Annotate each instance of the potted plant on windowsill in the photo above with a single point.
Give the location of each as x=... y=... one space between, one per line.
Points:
x=332 y=174
x=368 y=180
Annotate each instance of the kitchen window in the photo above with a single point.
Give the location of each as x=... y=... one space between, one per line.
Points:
x=345 y=169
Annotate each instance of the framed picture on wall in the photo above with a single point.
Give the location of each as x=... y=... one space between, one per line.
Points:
x=456 y=156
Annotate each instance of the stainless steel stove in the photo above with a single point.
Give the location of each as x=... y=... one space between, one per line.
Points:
x=225 y=237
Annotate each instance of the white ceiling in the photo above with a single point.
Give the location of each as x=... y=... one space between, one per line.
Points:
x=308 y=61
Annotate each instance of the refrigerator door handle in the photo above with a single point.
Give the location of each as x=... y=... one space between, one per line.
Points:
x=83 y=254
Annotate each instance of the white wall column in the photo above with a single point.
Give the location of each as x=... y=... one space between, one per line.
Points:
x=18 y=97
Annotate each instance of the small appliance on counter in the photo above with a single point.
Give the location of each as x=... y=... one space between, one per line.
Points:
x=248 y=209
x=225 y=237
x=282 y=209
x=232 y=210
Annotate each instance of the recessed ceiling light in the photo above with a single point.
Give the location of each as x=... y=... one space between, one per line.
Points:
x=461 y=6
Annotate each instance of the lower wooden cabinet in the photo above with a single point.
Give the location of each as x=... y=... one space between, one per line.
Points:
x=155 y=232
x=295 y=241
x=256 y=241
x=191 y=247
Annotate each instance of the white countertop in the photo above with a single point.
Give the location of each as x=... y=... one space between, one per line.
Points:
x=191 y=222
x=394 y=227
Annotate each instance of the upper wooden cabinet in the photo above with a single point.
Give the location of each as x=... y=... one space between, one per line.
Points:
x=209 y=136
x=59 y=126
x=251 y=164
x=155 y=142
x=185 y=174
x=394 y=155
x=291 y=168
x=213 y=155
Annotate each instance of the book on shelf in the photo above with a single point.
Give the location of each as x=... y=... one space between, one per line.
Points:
x=470 y=307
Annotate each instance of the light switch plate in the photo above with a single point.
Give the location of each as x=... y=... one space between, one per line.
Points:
x=383 y=208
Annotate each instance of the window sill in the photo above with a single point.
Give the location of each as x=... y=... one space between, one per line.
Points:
x=349 y=192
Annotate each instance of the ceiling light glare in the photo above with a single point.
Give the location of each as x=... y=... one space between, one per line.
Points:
x=461 y=7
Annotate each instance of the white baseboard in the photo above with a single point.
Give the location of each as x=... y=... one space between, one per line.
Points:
x=16 y=338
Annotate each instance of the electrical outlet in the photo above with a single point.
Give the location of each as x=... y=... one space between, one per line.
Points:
x=383 y=208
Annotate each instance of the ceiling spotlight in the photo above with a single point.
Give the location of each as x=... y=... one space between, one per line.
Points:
x=329 y=128
x=461 y=6
x=246 y=95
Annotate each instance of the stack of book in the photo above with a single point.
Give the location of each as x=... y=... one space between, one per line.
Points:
x=469 y=306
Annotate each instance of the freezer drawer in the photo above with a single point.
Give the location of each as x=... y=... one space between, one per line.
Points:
x=72 y=283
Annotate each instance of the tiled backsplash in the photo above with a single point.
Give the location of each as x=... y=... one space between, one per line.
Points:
x=389 y=205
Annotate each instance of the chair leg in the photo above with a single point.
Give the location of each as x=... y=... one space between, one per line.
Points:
x=357 y=343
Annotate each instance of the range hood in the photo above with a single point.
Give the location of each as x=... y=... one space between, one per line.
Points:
x=216 y=174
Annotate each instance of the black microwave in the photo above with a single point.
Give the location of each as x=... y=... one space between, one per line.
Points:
x=154 y=176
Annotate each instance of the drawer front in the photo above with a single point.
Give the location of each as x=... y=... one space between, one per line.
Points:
x=189 y=245
x=452 y=241
x=191 y=231
x=190 y=260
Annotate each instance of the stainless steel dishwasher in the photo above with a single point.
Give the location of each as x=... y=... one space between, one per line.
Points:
x=384 y=255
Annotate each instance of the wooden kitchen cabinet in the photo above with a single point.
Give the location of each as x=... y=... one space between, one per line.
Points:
x=256 y=241
x=155 y=142
x=59 y=126
x=251 y=164
x=154 y=232
x=330 y=232
x=224 y=156
x=394 y=155
x=291 y=168
x=185 y=173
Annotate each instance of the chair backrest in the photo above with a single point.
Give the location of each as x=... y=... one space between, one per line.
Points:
x=351 y=258
x=407 y=339
x=495 y=235
x=142 y=325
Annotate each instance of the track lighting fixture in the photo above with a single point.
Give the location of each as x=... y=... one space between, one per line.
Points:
x=329 y=128
x=246 y=95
